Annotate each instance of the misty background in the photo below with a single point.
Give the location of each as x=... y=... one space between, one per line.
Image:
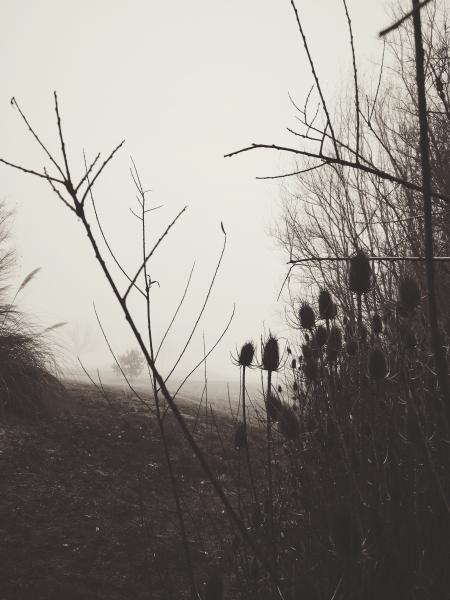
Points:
x=183 y=83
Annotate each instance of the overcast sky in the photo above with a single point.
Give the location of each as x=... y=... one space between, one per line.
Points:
x=183 y=83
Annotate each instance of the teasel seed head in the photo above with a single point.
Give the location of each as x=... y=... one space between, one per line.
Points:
x=325 y=305
x=271 y=354
x=359 y=273
x=409 y=293
x=246 y=354
x=306 y=316
x=377 y=364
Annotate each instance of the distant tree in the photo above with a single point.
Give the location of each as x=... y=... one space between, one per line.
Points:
x=131 y=362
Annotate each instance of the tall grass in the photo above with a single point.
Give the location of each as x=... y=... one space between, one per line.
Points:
x=27 y=365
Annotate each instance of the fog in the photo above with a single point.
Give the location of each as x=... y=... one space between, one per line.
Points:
x=183 y=83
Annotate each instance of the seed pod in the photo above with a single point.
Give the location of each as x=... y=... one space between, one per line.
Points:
x=359 y=273
x=351 y=347
x=306 y=316
x=325 y=305
x=288 y=423
x=214 y=587
x=240 y=438
x=377 y=364
x=246 y=354
x=310 y=369
x=377 y=324
x=273 y=407
x=409 y=293
x=321 y=336
x=271 y=354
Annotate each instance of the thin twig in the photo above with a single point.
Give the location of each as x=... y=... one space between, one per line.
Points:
x=152 y=251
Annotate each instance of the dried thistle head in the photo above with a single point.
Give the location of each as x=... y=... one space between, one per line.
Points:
x=377 y=324
x=359 y=273
x=306 y=316
x=377 y=364
x=288 y=423
x=246 y=354
x=325 y=305
x=271 y=354
x=409 y=293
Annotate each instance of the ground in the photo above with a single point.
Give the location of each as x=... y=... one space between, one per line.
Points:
x=85 y=505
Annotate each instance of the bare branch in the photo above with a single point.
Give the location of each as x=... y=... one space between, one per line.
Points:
x=152 y=251
x=61 y=138
x=316 y=79
x=36 y=137
x=330 y=160
x=116 y=149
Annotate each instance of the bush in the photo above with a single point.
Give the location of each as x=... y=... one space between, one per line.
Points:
x=27 y=366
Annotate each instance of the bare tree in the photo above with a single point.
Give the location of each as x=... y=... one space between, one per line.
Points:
x=334 y=212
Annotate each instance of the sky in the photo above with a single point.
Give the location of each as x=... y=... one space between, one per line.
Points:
x=183 y=83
